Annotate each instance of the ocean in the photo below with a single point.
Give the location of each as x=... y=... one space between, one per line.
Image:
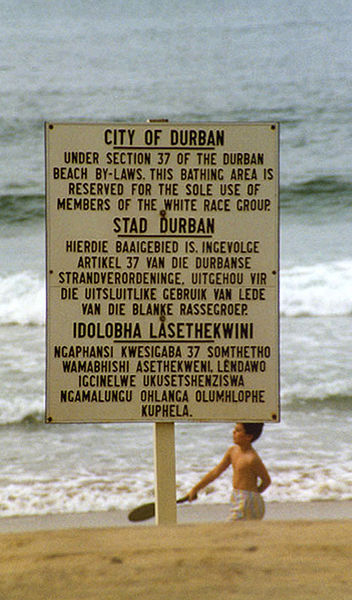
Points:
x=187 y=61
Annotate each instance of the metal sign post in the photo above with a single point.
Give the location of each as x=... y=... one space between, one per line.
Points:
x=164 y=463
x=165 y=473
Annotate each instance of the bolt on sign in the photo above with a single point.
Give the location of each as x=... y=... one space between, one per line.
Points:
x=162 y=272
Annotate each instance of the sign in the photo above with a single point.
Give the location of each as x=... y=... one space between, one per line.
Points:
x=162 y=272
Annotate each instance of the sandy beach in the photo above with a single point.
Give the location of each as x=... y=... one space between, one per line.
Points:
x=72 y=557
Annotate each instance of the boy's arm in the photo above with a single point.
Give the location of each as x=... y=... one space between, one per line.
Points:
x=209 y=477
x=263 y=475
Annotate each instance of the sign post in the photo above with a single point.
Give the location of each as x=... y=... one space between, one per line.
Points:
x=165 y=473
x=162 y=273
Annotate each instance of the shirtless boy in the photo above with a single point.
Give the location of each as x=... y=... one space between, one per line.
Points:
x=250 y=477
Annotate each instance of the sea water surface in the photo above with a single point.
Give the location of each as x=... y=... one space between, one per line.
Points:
x=286 y=61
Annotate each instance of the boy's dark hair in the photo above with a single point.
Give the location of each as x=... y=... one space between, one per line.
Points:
x=254 y=429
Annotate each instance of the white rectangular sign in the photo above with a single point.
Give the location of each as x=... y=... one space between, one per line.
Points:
x=162 y=272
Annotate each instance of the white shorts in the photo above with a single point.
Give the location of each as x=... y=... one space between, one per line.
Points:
x=246 y=505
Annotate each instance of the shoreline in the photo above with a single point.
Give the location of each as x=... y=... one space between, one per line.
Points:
x=322 y=510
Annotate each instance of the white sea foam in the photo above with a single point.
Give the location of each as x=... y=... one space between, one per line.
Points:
x=22 y=299
x=317 y=290
x=300 y=480
x=71 y=495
